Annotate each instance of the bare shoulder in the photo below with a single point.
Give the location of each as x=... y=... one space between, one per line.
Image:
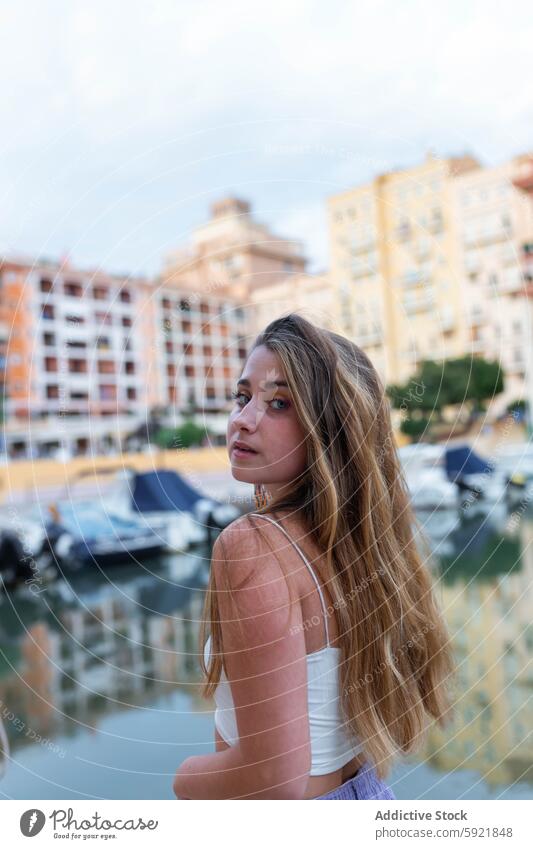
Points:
x=244 y=553
x=245 y=536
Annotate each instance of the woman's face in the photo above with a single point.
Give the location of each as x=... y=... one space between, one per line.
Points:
x=264 y=418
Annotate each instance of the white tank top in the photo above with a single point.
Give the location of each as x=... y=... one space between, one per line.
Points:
x=332 y=745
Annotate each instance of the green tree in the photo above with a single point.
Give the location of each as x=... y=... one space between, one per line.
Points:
x=184 y=436
x=466 y=381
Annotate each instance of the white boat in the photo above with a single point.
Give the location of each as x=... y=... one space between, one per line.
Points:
x=430 y=489
x=516 y=459
x=167 y=504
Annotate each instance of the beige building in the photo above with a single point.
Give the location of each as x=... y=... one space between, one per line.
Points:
x=232 y=254
x=494 y=214
x=310 y=296
x=394 y=265
x=428 y=263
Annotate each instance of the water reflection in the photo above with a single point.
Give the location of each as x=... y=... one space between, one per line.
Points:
x=100 y=678
x=487 y=596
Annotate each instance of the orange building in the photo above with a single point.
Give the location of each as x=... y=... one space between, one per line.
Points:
x=87 y=354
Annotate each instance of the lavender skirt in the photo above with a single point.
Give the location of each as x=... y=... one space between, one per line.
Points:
x=363 y=785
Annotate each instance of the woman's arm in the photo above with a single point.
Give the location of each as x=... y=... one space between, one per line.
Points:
x=265 y=660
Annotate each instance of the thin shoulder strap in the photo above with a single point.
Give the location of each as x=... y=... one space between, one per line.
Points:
x=304 y=558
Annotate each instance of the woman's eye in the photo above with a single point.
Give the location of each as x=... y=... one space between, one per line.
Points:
x=237 y=395
x=280 y=401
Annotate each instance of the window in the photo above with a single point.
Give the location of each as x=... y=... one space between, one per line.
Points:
x=107 y=392
x=100 y=293
x=77 y=366
x=46 y=285
x=73 y=290
x=125 y=296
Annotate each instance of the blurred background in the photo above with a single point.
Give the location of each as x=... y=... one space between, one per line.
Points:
x=173 y=177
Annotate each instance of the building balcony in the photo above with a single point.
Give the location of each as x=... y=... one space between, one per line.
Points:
x=477 y=318
x=487 y=237
x=363 y=244
x=423 y=303
x=374 y=337
x=403 y=232
x=446 y=320
x=412 y=278
x=360 y=268
x=436 y=223
x=422 y=249
x=472 y=262
x=513 y=281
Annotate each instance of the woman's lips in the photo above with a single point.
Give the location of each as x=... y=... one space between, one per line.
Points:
x=242 y=452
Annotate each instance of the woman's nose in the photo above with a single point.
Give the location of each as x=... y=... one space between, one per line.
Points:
x=248 y=416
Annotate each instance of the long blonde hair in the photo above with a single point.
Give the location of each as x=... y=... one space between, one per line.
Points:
x=396 y=659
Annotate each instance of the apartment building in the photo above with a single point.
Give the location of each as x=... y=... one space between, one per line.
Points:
x=233 y=254
x=312 y=296
x=394 y=265
x=494 y=214
x=88 y=354
x=428 y=262
x=199 y=346
x=76 y=374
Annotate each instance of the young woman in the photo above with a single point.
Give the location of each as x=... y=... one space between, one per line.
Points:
x=327 y=655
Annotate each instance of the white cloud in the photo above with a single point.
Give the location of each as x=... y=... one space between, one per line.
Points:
x=121 y=120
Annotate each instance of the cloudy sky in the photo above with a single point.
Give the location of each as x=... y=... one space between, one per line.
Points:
x=123 y=121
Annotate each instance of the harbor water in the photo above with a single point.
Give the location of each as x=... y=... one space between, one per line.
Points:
x=100 y=681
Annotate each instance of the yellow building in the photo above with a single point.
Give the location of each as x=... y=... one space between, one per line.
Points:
x=494 y=214
x=395 y=265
